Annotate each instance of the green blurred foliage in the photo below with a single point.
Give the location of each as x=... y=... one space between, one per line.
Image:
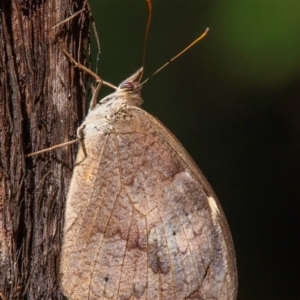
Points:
x=264 y=34
x=233 y=101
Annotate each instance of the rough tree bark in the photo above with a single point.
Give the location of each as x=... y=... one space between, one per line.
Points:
x=41 y=104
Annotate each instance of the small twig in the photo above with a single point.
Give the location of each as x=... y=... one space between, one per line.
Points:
x=96 y=34
x=70 y=18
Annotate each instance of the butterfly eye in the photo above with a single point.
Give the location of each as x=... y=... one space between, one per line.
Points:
x=127 y=86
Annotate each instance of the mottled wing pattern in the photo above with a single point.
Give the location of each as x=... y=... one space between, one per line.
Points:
x=149 y=226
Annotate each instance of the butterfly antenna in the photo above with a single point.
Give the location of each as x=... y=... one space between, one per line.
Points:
x=179 y=54
x=147 y=30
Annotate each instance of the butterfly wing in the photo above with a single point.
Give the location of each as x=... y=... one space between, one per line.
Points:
x=142 y=222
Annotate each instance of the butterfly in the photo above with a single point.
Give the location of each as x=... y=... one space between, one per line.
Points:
x=141 y=220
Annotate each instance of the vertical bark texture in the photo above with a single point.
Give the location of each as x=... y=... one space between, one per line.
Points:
x=41 y=104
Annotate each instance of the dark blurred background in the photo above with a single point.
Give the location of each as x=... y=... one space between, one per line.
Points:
x=233 y=101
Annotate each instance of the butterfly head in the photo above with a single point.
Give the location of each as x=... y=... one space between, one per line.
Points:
x=130 y=89
x=128 y=92
x=132 y=84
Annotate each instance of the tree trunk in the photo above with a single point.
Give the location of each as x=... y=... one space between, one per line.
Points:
x=42 y=102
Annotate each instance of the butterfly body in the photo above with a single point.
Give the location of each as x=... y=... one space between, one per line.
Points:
x=141 y=220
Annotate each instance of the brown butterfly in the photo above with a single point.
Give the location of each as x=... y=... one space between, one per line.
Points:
x=141 y=220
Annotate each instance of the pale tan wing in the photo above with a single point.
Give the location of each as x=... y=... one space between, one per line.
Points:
x=82 y=230
x=178 y=192
x=149 y=226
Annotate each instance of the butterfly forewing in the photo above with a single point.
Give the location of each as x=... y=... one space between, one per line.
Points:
x=141 y=220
